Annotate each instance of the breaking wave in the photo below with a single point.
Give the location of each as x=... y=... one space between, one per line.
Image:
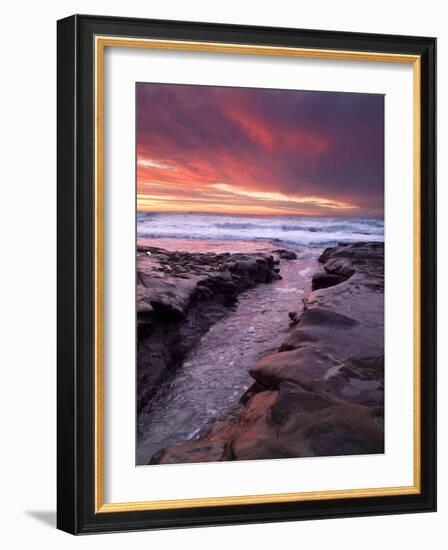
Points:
x=288 y=229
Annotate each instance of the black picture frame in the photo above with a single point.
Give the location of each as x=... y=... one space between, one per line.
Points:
x=76 y=512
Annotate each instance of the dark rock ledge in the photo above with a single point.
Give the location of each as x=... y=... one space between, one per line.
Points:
x=323 y=392
x=179 y=296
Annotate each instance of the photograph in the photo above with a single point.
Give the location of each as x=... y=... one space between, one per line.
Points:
x=259 y=273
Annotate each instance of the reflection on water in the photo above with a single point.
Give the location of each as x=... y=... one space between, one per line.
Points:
x=204 y=245
x=215 y=374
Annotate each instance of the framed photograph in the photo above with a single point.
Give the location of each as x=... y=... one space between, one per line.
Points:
x=246 y=274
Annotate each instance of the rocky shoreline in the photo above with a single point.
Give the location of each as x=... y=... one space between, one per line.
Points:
x=321 y=394
x=179 y=296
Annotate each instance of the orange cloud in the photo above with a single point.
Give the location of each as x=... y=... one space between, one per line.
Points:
x=279 y=138
x=213 y=149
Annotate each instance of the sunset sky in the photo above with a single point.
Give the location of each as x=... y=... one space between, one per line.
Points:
x=258 y=151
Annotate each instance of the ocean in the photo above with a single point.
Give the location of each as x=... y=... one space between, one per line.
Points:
x=292 y=230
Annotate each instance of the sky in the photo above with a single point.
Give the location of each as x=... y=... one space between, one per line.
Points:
x=259 y=151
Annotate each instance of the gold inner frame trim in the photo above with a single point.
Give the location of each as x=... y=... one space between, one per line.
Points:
x=101 y=42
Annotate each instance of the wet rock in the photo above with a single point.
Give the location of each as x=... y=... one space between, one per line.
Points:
x=294 y=316
x=340 y=266
x=337 y=269
x=325 y=280
x=293 y=423
x=349 y=431
x=285 y=254
x=305 y=367
x=294 y=401
x=201 y=451
x=357 y=252
x=248 y=270
x=359 y=380
x=250 y=392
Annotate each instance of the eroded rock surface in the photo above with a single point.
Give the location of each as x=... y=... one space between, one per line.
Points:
x=179 y=296
x=323 y=392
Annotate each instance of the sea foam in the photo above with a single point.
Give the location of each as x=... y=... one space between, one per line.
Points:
x=288 y=229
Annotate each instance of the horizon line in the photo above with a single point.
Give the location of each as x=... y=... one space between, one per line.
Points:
x=254 y=215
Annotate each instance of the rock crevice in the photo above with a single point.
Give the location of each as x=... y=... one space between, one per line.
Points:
x=179 y=296
x=322 y=393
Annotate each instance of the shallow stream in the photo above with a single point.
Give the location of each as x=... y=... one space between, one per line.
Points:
x=214 y=375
